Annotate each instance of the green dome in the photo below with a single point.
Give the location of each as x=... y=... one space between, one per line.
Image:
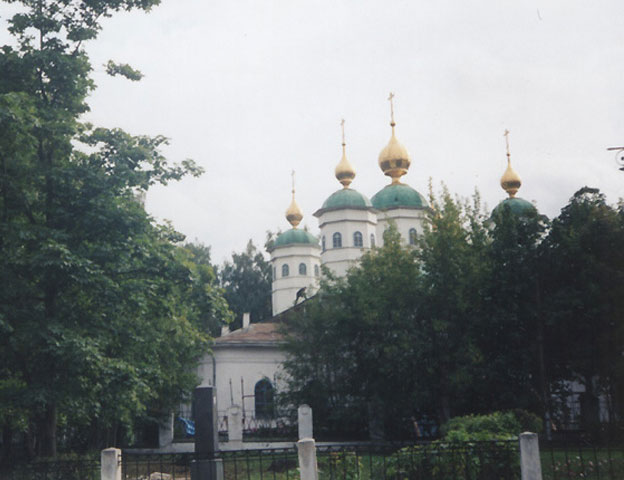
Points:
x=345 y=198
x=398 y=195
x=295 y=235
x=517 y=206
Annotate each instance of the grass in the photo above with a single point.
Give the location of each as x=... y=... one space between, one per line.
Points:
x=586 y=463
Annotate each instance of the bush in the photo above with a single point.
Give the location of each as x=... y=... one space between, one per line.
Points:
x=442 y=460
x=493 y=426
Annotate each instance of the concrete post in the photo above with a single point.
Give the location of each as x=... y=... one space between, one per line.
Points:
x=205 y=416
x=207 y=466
x=165 y=431
x=530 y=462
x=110 y=464
x=235 y=424
x=308 y=468
x=304 y=422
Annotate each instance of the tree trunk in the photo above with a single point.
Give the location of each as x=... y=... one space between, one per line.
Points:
x=7 y=442
x=444 y=409
x=48 y=432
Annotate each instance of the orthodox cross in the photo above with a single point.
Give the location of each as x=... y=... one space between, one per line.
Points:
x=506 y=135
x=342 y=122
x=390 y=97
x=293 y=182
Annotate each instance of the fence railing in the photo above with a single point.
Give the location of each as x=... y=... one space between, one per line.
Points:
x=581 y=460
x=432 y=461
x=74 y=469
x=276 y=464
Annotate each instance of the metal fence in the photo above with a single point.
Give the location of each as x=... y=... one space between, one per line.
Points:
x=576 y=460
x=431 y=461
x=71 y=469
x=276 y=464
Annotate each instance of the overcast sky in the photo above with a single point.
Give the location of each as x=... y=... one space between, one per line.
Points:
x=251 y=90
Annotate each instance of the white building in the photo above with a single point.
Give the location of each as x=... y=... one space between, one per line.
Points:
x=245 y=364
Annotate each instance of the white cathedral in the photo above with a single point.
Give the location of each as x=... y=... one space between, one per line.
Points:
x=245 y=364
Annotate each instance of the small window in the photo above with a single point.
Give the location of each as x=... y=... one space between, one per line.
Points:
x=412 y=236
x=357 y=239
x=372 y=240
x=303 y=270
x=285 y=271
x=323 y=242
x=263 y=399
x=337 y=240
x=316 y=271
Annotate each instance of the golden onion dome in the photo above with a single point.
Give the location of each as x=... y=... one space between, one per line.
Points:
x=294 y=215
x=394 y=160
x=345 y=173
x=510 y=181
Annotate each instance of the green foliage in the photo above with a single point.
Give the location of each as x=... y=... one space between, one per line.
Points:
x=486 y=314
x=123 y=69
x=493 y=426
x=102 y=315
x=391 y=342
x=247 y=284
x=583 y=291
x=345 y=465
x=443 y=460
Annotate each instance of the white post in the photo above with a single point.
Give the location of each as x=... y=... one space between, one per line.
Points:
x=304 y=422
x=308 y=468
x=530 y=462
x=111 y=464
x=235 y=424
x=246 y=319
x=165 y=431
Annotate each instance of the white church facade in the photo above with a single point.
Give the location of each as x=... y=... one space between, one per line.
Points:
x=245 y=364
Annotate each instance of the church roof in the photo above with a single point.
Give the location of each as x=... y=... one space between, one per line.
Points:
x=518 y=206
x=398 y=195
x=255 y=334
x=346 y=198
x=295 y=235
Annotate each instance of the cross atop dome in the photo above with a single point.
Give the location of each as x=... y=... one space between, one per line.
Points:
x=293 y=213
x=394 y=160
x=510 y=181
x=345 y=173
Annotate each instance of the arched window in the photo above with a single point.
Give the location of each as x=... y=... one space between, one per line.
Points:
x=263 y=399
x=285 y=270
x=316 y=271
x=357 y=239
x=323 y=242
x=303 y=270
x=337 y=240
x=412 y=236
x=372 y=240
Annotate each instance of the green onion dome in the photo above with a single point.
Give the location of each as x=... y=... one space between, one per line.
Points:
x=398 y=195
x=295 y=236
x=346 y=198
x=517 y=206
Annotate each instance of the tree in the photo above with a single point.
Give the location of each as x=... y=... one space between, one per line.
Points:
x=351 y=348
x=510 y=332
x=452 y=257
x=392 y=341
x=583 y=273
x=208 y=307
x=247 y=284
x=94 y=330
